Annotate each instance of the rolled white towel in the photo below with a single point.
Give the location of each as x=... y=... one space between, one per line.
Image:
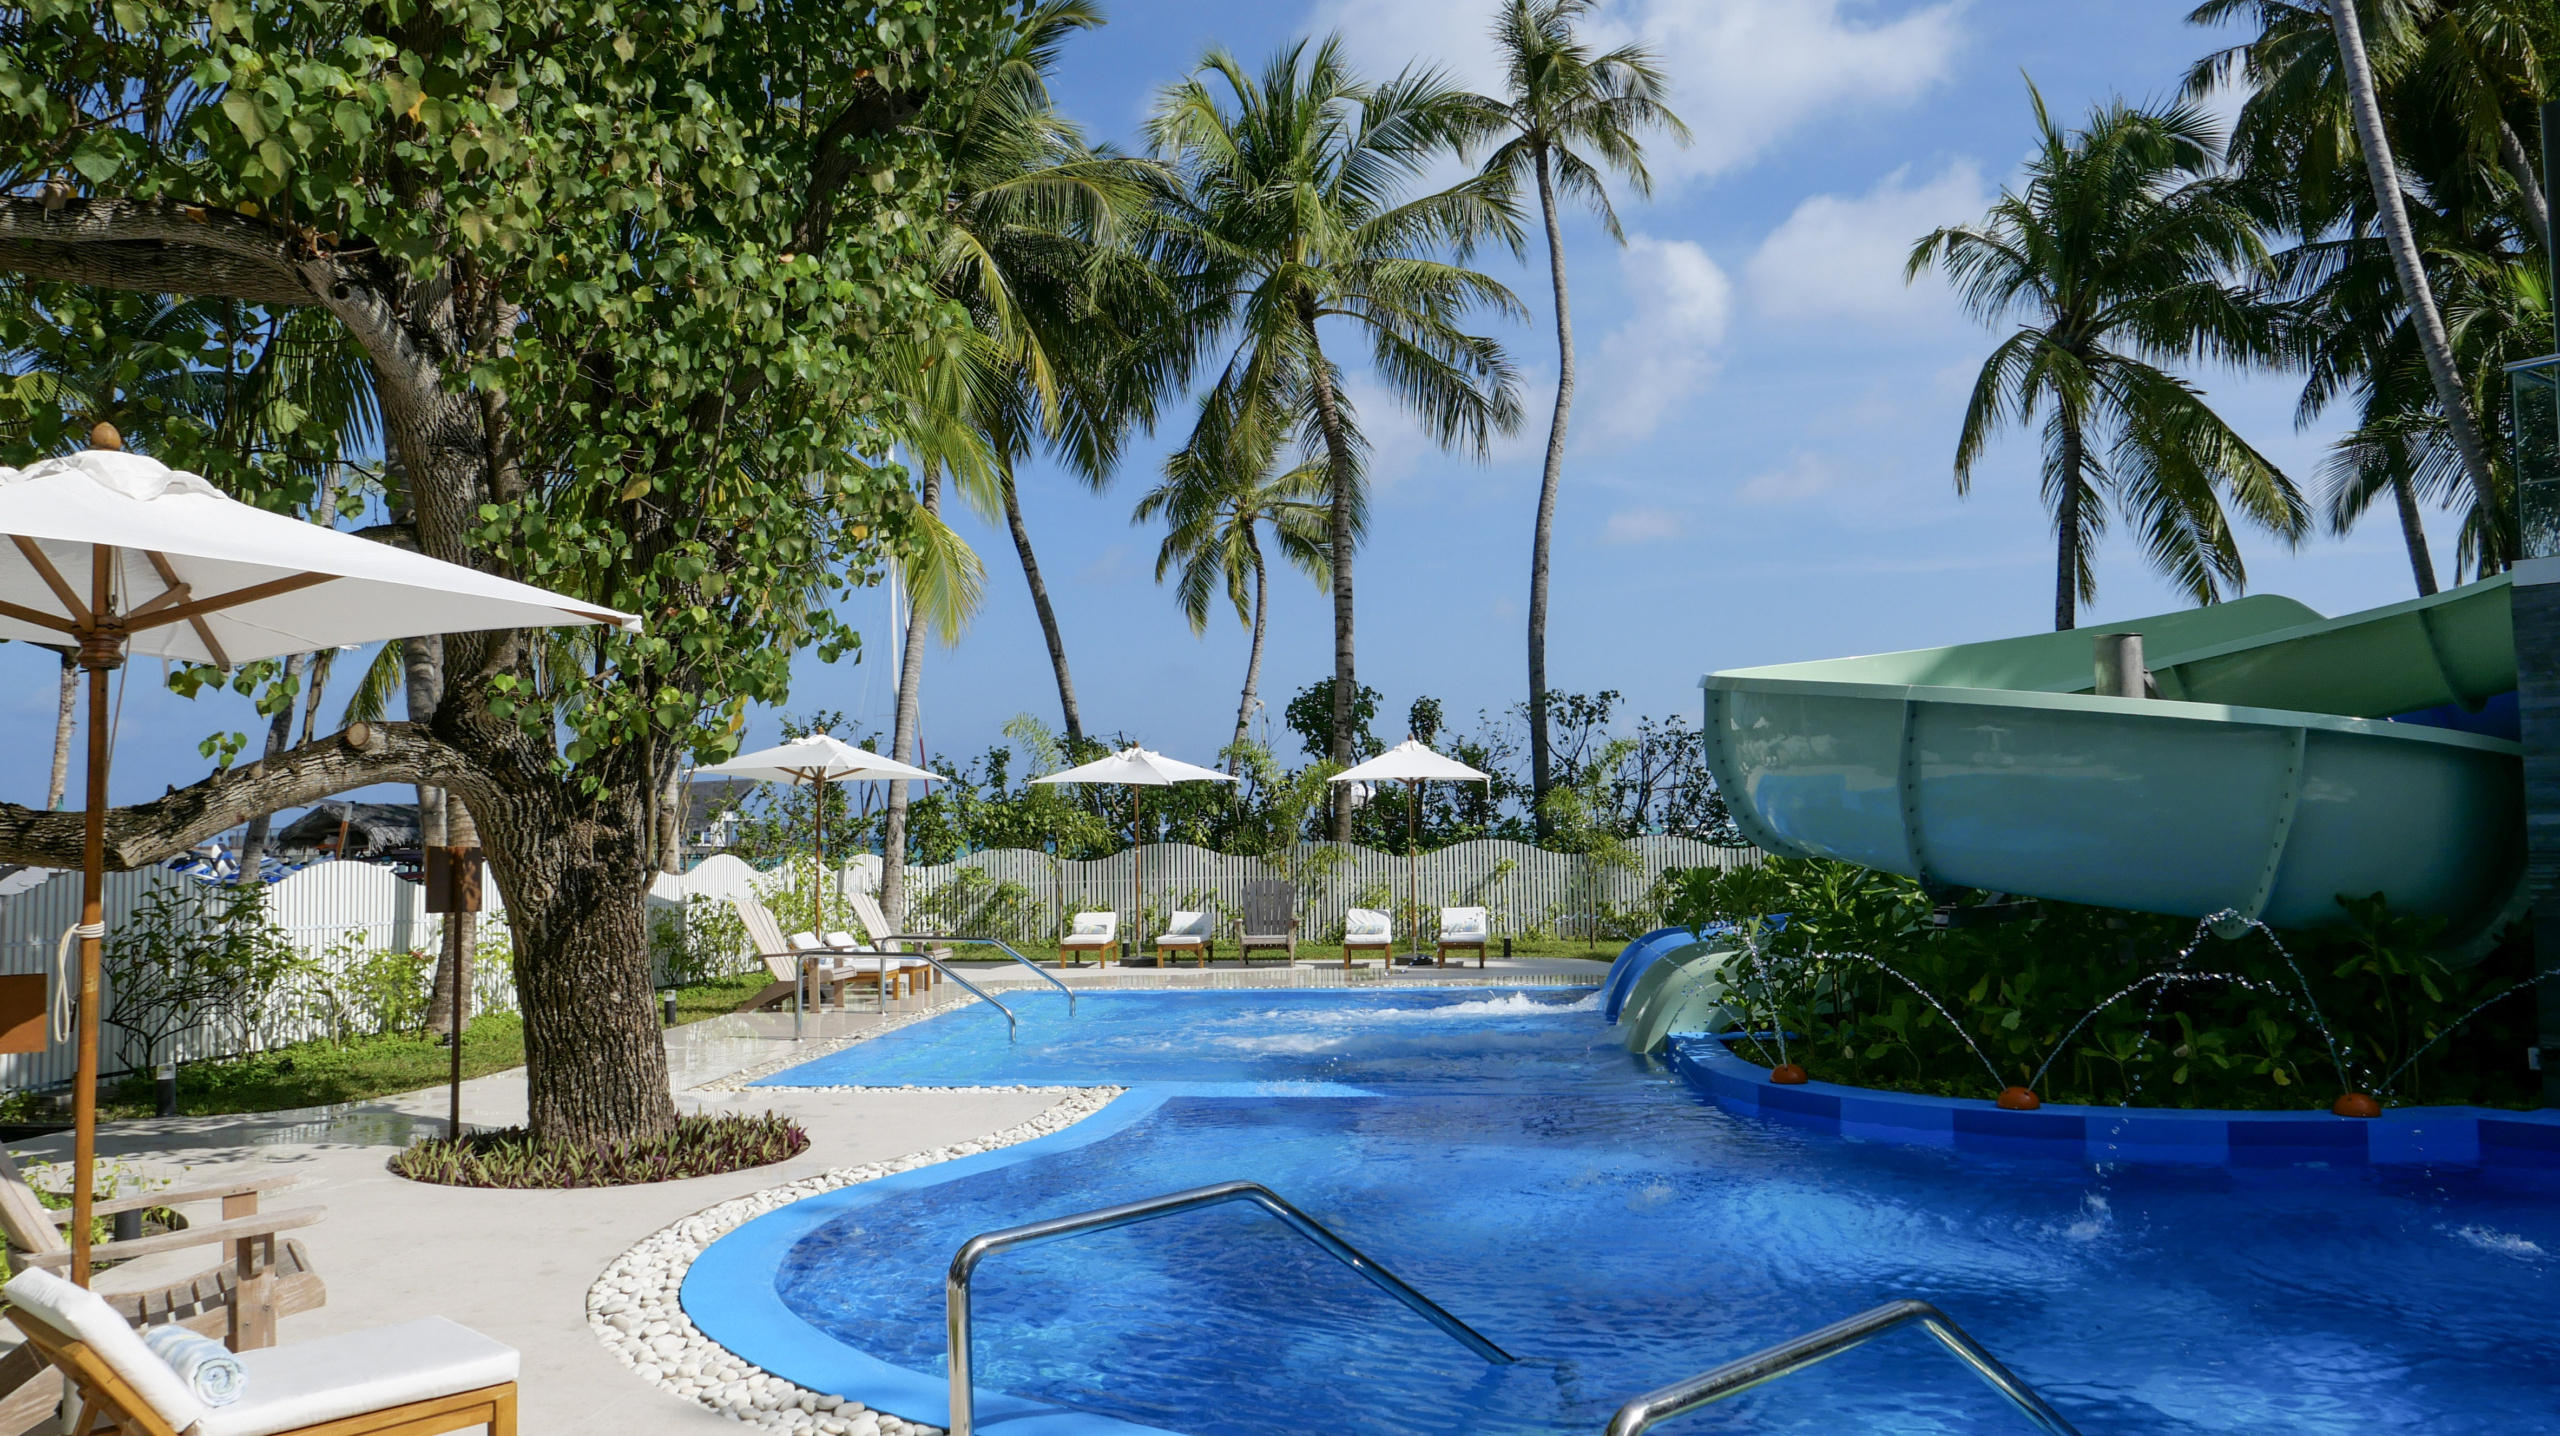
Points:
x=207 y=1366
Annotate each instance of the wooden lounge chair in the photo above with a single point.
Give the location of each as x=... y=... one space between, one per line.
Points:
x=1367 y=930
x=215 y=1302
x=875 y=925
x=1462 y=928
x=1094 y=932
x=1270 y=920
x=1192 y=932
x=419 y=1378
x=794 y=966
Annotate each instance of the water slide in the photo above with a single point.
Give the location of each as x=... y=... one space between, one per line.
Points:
x=2286 y=759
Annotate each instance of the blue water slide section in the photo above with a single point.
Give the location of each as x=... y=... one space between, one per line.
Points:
x=1640 y=954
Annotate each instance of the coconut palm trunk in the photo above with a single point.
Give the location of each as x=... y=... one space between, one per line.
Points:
x=66 y=721
x=2365 y=106
x=1253 y=657
x=1337 y=449
x=1048 y=615
x=1543 y=536
x=2413 y=530
x=2068 y=558
x=893 y=847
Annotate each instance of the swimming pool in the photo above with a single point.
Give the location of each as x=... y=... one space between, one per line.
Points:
x=1588 y=1212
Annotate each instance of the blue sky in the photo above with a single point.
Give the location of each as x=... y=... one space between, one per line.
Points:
x=1759 y=465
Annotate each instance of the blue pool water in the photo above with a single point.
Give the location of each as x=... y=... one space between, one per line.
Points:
x=1583 y=1209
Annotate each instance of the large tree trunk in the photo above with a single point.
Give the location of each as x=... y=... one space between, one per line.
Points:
x=893 y=828
x=2366 y=107
x=2066 y=520
x=671 y=809
x=1543 y=536
x=1343 y=476
x=66 y=721
x=1048 y=615
x=2536 y=205
x=253 y=844
x=2413 y=531
x=1253 y=659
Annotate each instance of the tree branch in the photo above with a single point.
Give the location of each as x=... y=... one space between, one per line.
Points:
x=153 y=267
x=147 y=833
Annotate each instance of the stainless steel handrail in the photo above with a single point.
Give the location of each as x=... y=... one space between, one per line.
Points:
x=964 y=1263
x=1787 y=1357
x=1043 y=973
x=1012 y=1026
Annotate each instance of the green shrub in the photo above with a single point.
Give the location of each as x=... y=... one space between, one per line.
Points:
x=975 y=904
x=700 y=1146
x=2092 y=1005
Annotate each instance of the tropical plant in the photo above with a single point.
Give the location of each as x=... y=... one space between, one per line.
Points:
x=1290 y=208
x=2118 y=257
x=1219 y=492
x=1569 y=114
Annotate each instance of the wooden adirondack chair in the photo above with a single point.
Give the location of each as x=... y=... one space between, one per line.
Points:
x=261 y=1279
x=1270 y=920
x=419 y=1378
x=875 y=927
x=825 y=971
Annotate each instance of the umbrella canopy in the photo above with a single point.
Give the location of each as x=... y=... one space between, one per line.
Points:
x=818 y=758
x=116 y=553
x=1134 y=768
x=1410 y=762
x=201 y=577
x=1139 y=767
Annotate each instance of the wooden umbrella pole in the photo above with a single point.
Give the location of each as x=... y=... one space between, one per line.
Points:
x=453 y=945
x=1138 y=872
x=818 y=897
x=1413 y=862
x=101 y=651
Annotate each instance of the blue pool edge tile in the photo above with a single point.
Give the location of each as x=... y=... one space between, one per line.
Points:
x=2521 y=1145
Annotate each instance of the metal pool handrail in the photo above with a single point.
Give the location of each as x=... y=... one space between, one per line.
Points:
x=1042 y=973
x=964 y=1263
x=1012 y=1028
x=1788 y=1357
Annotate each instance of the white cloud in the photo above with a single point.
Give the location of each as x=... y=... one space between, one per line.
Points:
x=1639 y=526
x=1804 y=475
x=1682 y=303
x=1744 y=73
x=1841 y=256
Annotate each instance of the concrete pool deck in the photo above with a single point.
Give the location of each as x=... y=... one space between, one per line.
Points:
x=518 y=1265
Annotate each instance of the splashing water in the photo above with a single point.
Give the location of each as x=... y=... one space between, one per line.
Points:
x=2508 y=991
x=1931 y=998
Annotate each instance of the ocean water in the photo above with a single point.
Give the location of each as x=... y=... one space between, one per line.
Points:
x=1583 y=1209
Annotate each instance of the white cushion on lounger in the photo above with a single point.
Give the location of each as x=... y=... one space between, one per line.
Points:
x=1187 y=929
x=1097 y=926
x=358 y=1371
x=84 y=1314
x=1462 y=924
x=1367 y=927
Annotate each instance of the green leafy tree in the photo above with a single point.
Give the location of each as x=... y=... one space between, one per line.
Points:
x=1569 y=113
x=627 y=283
x=2117 y=258
x=1292 y=207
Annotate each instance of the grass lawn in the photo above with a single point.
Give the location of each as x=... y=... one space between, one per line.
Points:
x=314 y=1074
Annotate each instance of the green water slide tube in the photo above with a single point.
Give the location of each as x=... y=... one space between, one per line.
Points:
x=1685 y=991
x=2262 y=779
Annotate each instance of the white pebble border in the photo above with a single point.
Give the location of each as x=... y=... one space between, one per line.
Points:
x=634 y=1308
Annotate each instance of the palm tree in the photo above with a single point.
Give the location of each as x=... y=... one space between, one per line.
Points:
x=2117 y=258
x=1037 y=244
x=2458 y=85
x=1219 y=493
x=1559 y=101
x=1288 y=210
x=2343 y=70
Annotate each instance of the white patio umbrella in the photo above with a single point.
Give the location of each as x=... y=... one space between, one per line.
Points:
x=116 y=553
x=817 y=760
x=1413 y=765
x=1138 y=769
